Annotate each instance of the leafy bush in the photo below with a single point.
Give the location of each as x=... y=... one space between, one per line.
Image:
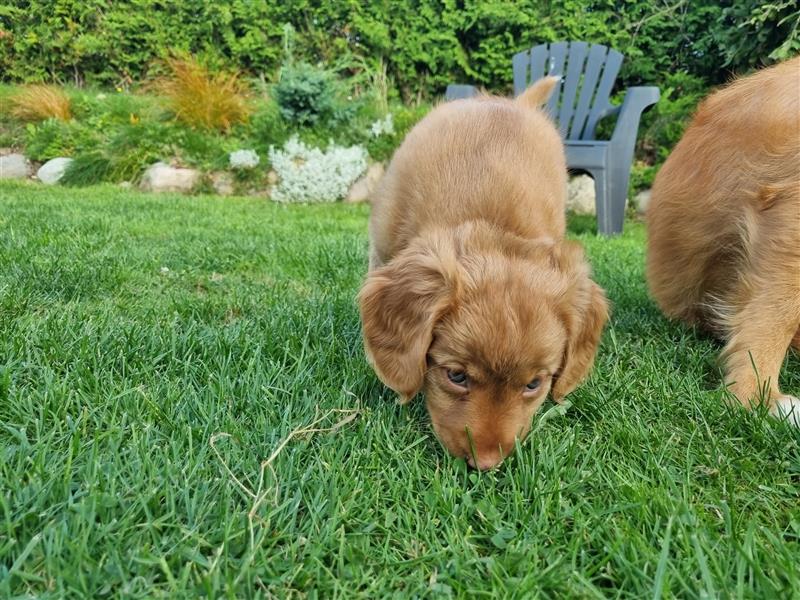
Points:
x=52 y=138
x=312 y=175
x=305 y=94
x=41 y=102
x=381 y=147
x=664 y=125
x=416 y=46
x=409 y=49
x=642 y=176
x=268 y=128
x=134 y=147
x=202 y=99
x=104 y=109
x=754 y=30
x=122 y=155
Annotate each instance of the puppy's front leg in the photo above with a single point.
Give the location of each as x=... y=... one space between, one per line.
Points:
x=760 y=336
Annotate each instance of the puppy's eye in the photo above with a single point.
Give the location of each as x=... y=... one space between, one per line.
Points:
x=534 y=384
x=457 y=377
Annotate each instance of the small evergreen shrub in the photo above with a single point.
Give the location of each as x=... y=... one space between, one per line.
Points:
x=305 y=94
x=308 y=174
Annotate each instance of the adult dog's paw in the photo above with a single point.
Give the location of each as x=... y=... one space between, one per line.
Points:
x=787 y=407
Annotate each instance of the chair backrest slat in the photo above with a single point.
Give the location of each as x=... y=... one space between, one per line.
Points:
x=601 y=103
x=582 y=97
x=555 y=66
x=539 y=56
x=594 y=64
x=572 y=79
x=520 y=66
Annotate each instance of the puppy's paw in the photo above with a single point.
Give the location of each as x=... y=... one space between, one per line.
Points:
x=787 y=407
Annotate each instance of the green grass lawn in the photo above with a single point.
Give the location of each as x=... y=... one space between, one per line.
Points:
x=155 y=351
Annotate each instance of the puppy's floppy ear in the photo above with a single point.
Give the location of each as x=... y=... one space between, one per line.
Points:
x=400 y=304
x=585 y=312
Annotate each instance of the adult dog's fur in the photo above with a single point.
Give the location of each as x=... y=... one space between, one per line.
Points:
x=470 y=277
x=724 y=229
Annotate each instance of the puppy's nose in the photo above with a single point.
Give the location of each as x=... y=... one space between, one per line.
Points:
x=488 y=459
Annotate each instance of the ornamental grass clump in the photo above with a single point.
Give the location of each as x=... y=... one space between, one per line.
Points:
x=308 y=174
x=202 y=99
x=41 y=102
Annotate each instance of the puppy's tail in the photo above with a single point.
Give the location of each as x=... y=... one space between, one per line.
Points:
x=539 y=93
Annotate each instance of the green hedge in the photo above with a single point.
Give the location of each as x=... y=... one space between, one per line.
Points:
x=421 y=45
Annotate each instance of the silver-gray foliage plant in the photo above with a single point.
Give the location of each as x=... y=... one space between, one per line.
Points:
x=307 y=174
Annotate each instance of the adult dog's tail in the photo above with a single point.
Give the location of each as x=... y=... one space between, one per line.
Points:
x=538 y=93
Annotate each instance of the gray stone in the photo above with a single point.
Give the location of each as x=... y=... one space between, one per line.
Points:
x=160 y=177
x=580 y=195
x=15 y=166
x=363 y=188
x=641 y=200
x=222 y=183
x=52 y=171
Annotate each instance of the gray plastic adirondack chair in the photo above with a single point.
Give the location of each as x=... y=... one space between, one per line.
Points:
x=578 y=103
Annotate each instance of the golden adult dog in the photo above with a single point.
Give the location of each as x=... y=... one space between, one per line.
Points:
x=472 y=294
x=724 y=229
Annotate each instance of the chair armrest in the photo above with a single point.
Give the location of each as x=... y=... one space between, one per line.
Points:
x=457 y=91
x=637 y=99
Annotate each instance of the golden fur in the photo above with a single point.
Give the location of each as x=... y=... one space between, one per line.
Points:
x=724 y=228
x=469 y=273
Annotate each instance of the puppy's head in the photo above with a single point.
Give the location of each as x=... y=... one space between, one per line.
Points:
x=486 y=332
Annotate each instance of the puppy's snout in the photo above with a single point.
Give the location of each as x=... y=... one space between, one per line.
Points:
x=486 y=459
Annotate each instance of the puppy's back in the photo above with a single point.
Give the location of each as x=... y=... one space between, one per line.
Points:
x=731 y=180
x=487 y=158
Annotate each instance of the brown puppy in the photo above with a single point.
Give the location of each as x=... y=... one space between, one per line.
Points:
x=724 y=229
x=472 y=293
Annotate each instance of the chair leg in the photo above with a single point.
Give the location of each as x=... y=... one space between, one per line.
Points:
x=602 y=201
x=619 y=173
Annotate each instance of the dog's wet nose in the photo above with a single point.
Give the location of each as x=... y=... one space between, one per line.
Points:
x=485 y=460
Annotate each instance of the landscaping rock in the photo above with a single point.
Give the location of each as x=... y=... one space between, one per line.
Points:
x=52 y=171
x=15 y=166
x=222 y=183
x=363 y=188
x=580 y=195
x=160 y=177
x=641 y=200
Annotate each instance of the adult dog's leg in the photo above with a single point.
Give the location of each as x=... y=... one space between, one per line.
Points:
x=757 y=347
x=766 y=322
